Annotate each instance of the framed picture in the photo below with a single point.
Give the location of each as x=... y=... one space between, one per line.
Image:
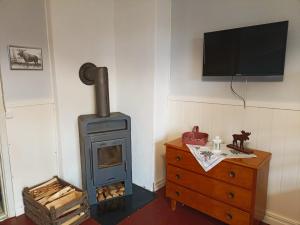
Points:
x=25 y=58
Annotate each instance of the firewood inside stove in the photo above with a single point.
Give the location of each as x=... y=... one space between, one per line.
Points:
x=110 y=191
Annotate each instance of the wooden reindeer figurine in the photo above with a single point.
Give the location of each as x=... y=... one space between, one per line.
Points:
x=241 y=138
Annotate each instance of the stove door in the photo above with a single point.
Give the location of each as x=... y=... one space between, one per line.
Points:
x=109 y=161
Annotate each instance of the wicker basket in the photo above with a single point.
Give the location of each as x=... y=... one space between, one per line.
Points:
x=63 y=215
x=195 y=137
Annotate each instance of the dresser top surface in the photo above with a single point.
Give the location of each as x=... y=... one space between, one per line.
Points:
x=261 y=156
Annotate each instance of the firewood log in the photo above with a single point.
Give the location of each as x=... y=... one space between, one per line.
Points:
x=113 y=192
x=44 y=184
x=112 y=188
x=106 y=193
x=73 y=219
x=46 y=194
x=59 y=193
x=122 y=189
x=64 y=200
x=44 y=191
x=71 y=209
x=101 y=198
x=115 y=195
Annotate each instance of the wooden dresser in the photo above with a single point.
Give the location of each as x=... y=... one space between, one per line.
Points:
x=234 y=191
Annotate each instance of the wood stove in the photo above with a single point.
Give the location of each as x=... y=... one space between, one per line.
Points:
x=105 y=149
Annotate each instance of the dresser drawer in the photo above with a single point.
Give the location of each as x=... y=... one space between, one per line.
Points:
x=234 y=195
x=219 y=210
x=224 y=171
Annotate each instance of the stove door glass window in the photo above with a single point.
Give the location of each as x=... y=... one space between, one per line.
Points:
x=109 y=156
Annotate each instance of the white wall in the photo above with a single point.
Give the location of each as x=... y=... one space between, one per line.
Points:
x=81 y=31
x=161 y=86
x=84 y=31
x=32 y=146
x=23 y=23
x=31 y=130
x=124 y=36
x=142 y=34
x=273 y=108
x=6 y=175
x=191 y=18
x=134 y=35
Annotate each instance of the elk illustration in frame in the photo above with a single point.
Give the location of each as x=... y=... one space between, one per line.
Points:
x=25 y=58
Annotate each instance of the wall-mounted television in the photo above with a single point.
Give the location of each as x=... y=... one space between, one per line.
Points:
x=257 y=52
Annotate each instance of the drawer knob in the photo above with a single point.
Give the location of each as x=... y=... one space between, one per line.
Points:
x=230 y=195
x=178 y=158
x=177 y=176
x=229 y=216
x=177 y=193
x=231 y=174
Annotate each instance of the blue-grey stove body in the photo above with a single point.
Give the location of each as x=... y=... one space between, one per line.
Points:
x=105 y=150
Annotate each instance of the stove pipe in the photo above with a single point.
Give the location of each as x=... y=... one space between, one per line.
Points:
x=90 y=74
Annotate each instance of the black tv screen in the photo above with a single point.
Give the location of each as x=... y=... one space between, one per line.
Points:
x=255 y=51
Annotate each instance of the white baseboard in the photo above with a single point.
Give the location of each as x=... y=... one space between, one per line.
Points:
x=3 y=217
x=19 y=211
x=159 y=184
x=276 y=219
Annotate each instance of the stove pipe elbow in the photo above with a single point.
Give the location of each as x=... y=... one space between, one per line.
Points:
x=90 y=74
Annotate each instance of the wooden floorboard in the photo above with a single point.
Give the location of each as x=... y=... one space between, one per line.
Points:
x=158 y=212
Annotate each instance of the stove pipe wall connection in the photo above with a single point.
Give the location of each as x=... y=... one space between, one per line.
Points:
x=90 y=74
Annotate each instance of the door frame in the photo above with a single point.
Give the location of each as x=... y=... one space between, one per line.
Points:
x=5 y=165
